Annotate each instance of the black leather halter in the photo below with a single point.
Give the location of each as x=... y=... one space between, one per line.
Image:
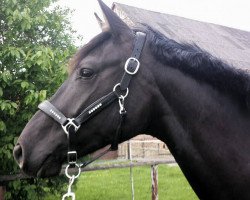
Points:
x=120 y=92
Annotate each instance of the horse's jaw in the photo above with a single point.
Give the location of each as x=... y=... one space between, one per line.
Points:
x=49 y=168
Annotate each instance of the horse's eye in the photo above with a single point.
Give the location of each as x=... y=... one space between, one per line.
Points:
x=86 y=72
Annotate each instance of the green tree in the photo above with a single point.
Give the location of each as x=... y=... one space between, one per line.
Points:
x=36 y=40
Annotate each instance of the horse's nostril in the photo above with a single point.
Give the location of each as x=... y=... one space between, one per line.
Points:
x=18 y=155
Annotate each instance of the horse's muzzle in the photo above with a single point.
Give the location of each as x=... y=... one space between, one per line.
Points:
x=18 y=155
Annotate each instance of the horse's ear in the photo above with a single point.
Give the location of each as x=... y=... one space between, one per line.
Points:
x=100 y=22
x=113 y=23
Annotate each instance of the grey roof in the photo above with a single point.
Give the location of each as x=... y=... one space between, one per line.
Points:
x=229 y=44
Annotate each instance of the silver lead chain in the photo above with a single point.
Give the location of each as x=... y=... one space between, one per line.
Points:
x=69 y=193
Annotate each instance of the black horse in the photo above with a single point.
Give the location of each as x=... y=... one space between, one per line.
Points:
x=197 y=104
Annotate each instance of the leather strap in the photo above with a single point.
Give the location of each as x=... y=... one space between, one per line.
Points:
x=133 y=64
x=52 y=111
x=96 y=107
x=118 y=133
x=84 y=116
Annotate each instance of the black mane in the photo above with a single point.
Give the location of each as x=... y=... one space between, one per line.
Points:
x=201 y=65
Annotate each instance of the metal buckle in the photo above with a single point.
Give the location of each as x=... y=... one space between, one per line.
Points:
x=72 y=157
x=70 y=123
x=127 y=65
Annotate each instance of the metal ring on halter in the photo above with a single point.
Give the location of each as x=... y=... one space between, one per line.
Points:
x=70 y=122
x=76 y=176
x=123 y=96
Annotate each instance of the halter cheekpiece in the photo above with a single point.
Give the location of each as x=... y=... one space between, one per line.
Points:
x=71 y=125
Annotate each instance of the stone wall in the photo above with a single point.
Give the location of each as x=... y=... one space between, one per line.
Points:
x=142 y=147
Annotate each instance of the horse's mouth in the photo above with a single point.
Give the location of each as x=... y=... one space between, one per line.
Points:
x=50 y=167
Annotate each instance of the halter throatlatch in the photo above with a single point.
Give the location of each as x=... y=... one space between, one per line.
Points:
x=71 y=125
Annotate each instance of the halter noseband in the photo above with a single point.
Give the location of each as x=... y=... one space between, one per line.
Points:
x=120 y=92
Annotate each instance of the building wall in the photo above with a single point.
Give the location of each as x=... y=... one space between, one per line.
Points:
x=143 y=147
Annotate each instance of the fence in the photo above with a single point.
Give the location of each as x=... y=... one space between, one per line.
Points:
x=154 y=151
x=153 y=164
x=141 y=149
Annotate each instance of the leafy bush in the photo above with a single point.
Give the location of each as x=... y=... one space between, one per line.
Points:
x=35 y=43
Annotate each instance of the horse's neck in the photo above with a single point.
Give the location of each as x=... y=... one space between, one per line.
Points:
x=205 y=131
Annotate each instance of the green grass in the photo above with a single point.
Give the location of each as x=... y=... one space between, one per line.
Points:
x=114 y=184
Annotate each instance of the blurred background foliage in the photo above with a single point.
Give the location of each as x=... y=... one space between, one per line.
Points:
x=36 y=41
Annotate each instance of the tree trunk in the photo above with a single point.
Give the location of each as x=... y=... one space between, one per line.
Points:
x=2 y=192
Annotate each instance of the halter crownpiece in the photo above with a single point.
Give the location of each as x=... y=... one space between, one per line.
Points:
x=71 y=125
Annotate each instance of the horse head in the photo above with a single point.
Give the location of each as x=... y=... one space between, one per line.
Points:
x=94 y=71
